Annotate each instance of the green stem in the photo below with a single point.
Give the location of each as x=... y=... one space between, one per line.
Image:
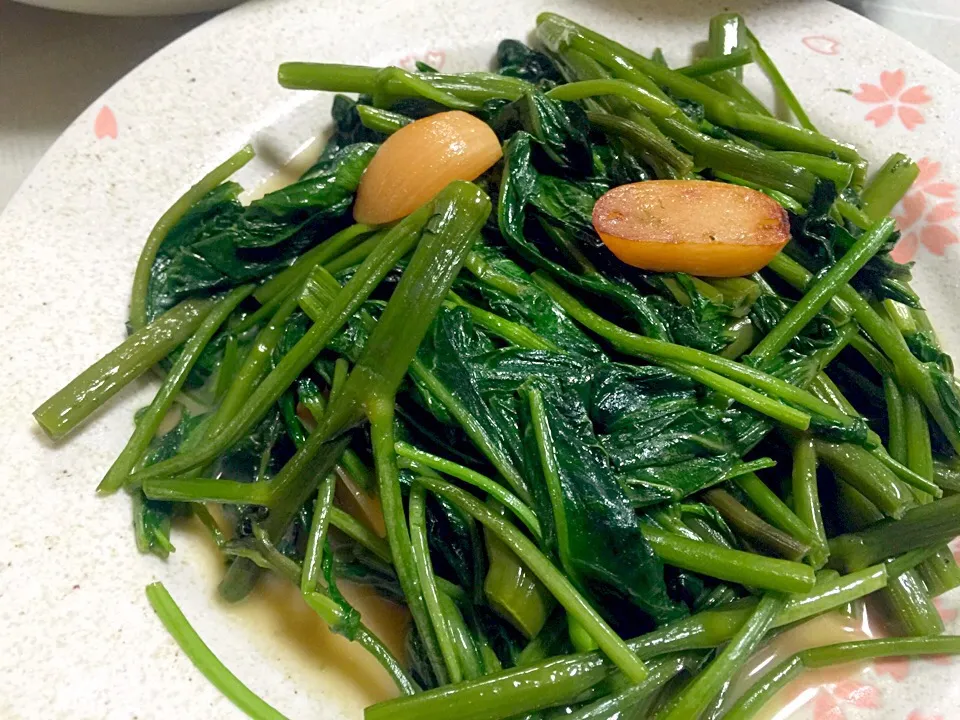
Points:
x=930 y=524
x=781 y=135
x=710 y=65
x=497 y=455
x=293 y=276
x=558 y=33
x=907 y=601
x=658 y=350
x=784 y=414
x=751 y=702
x=837 y=172
x=939 y=572
x=561 y=588
x=697 y=696
x=466 y=91
x=149 y=422
x=919 y=452
x=780 y=85
x=203 y=658
x=775 y=510
x=466 y=649
x=141 y=276
x=866 y=473
x=401 y=546
x=649 y=143
x=331 y=612
x=381 y=120
x=360 y=533
x=753 y=527
x=71 y=405
x=383 y=259
x=736 y=566
x=471 y=477
x=823 y=290
x=621 y=703
x=650 y=102
x=806 y=497
x=910 y=372
x=424 y=569
x=511 y=590
x=750 y=163
x=312 y=561
x=355 y=255
x=255 y=365
x=896 y=420
x=512 y=332
x=727 y=35
x=538 y=683
x=888 y=185
x=498 y=697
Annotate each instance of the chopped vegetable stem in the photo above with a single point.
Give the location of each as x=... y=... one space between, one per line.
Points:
x=203 y=658
x=732 y=565
x=149 y=422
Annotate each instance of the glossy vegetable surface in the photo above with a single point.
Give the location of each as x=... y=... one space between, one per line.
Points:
x=699 y=227
x=593 y=365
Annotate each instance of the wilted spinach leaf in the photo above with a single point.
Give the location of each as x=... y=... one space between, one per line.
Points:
x=515 y=59
x=219 y=243
x=560 y=128
x=600 y=544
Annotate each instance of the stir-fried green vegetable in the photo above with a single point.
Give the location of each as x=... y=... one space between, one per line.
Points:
x=567 y=451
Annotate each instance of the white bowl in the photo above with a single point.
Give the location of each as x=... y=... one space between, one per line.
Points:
x=133 y=7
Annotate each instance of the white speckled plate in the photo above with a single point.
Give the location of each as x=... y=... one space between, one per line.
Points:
x=78 y=639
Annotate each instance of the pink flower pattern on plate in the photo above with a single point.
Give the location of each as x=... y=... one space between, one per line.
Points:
x=925 y=214
x=105 y=124
x=891 y=98
x=822 y=44
x=917 y=715
x=828 y=703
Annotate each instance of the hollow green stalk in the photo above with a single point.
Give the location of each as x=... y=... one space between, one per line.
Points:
x=780 y=85
x=930 y=524
x=465 y=474
x=147 y=346
x=806 y=498
x=650 y=102
x=775 y=510
x=293 y=276
x=658 y=350
x=381 y=120
x=736 y=566
x=710 y=65
x=888 y=186
x=751 y=526
x=819 y=295
x=696 y=697
x=150 y=420
x=396 y=244
x=450 y=671
x=312 y=561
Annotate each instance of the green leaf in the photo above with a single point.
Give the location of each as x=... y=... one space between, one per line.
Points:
x=219 y=243
x=514 y=59
x=586 y=516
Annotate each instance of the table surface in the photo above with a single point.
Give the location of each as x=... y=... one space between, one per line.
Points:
x=39 y=97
